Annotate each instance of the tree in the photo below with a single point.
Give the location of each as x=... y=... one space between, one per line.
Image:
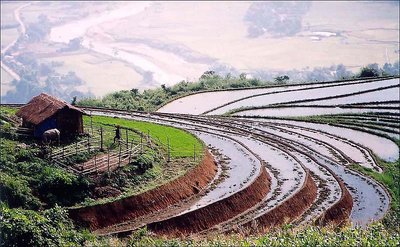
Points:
x=369 y=71
x=242 y=76
x=281 y=79
x=207 y=74
x=135 y=91
x=73 y=101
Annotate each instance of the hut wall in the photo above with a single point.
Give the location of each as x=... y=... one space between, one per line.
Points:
x=69 y=122
x=47 y=124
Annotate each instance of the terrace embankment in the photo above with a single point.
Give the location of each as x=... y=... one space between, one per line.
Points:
x=340 y=211
x=104 y=215
x=215 y=213
x=288 y=211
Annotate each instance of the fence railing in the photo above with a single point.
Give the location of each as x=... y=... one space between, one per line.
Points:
x=129 y=145
x=94 y=142
x=111 y=160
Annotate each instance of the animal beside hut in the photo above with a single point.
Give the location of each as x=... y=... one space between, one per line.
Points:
x=45 y=112
x=50 y=135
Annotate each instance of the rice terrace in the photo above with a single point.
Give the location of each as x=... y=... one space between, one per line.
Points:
x=228 y=159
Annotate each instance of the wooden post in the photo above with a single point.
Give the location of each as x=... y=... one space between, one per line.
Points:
x=88 y=143
x=194 y=152
x=119 y=155
x=148 y=136
x=169 y=150
x=95 y=162
x=108 y=162
x=141 y=143
x=126 y=134
x=63 y=151
x=76 y=148
x=91 y=122
x=130 y=153
x=101 y=138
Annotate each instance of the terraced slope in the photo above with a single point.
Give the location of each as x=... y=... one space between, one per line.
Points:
x=219 y=102
x=309 y=176
x=270 y=171
x=344 y=90
x=205 y=102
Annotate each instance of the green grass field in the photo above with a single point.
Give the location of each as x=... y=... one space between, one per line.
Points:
x=182 y=143
x=8 y=110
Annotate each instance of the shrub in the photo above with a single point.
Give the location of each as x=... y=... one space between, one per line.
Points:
x=20 y=227
x=15 y=192
x=59 y=186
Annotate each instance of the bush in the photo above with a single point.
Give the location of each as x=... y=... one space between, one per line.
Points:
x=15 y=192
x=59 y=186
x=20 y=227
x=144 y=162
x=23 y=172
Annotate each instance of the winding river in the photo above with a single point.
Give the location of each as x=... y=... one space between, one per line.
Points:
x=79 y=28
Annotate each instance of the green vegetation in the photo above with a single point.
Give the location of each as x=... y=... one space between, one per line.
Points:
x=52 y=227
x=374 y=235
x=20 y=167
x=152 y=99
x=30 y=182
x=148 y=170
x=8 y=111
x=181 y=142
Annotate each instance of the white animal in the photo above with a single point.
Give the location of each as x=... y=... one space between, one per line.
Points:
x=51 y=134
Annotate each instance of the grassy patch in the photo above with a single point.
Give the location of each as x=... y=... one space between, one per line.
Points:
x=374 y=235
x=8 y=111
x=181 y=143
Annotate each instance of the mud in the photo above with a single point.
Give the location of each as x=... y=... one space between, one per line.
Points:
x=288 y=211
x=212 y=214
x=340 y=212
x=193 y=182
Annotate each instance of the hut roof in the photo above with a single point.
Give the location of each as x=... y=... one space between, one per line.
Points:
x=42 y=107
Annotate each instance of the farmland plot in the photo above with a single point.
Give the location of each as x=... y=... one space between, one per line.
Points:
x=302 y=111
x=363 y=211
x=203 y=102
x=376 y=96
x=278 y=198
x=382 y=147
x=308 y=95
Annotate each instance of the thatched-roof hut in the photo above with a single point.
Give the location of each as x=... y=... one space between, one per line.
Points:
x=46 y=112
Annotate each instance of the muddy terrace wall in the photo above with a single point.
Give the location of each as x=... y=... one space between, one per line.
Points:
x=288 y=211
x=340 y=211
x=104 y=215
x=215 y=213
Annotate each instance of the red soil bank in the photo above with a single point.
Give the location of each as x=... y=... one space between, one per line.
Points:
x=340 y=211
x=217 y=212
x=104 y=215
x=288 y=211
